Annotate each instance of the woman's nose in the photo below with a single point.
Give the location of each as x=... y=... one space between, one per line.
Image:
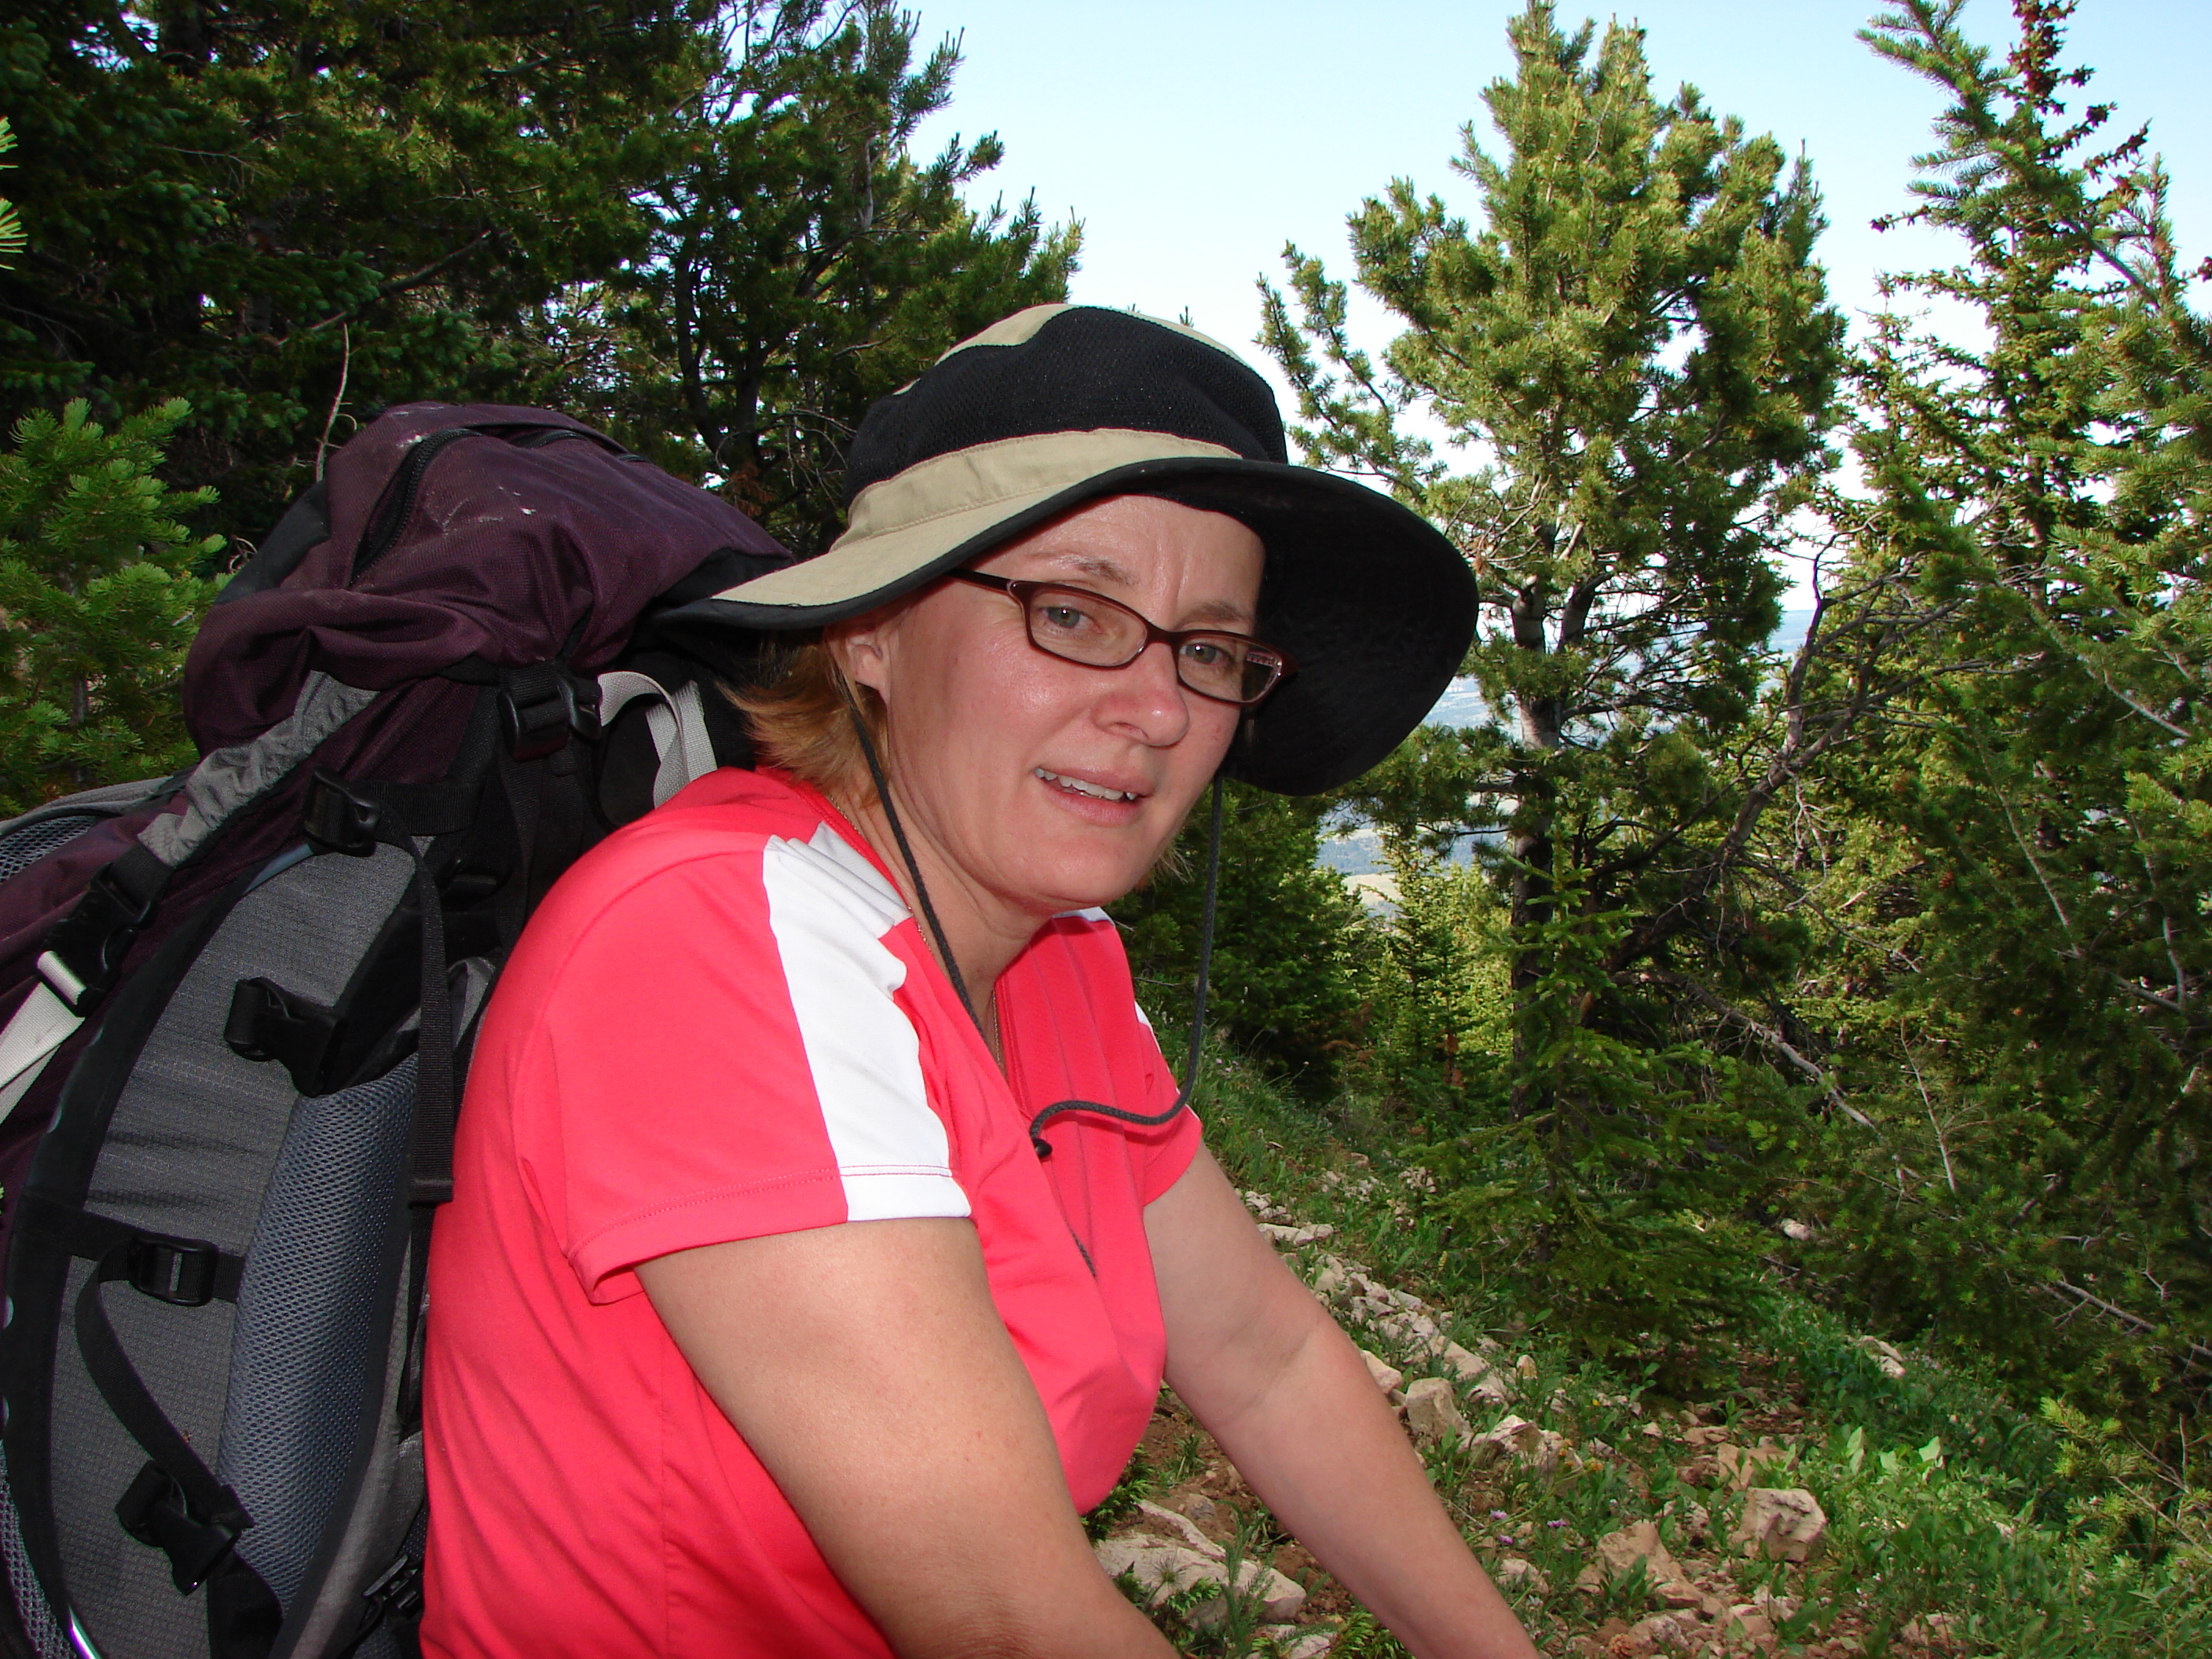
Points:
x=1147 y=698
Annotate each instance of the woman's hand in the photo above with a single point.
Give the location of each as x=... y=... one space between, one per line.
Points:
x=1263 y=1366
x=867 y=1369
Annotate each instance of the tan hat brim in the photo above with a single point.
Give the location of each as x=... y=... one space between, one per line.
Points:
x=902 y=524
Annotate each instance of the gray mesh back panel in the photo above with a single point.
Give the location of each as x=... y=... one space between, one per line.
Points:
x=26 y=847
x=309 y=1322
x=389 y=1501
x=194 y=1139
x=31 y=1606
x=102 y=802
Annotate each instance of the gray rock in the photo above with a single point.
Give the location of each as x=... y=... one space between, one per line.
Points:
x=1513 y=1572
x=1618 y=1554
x=1388 y=1377
x=1517 y=1439
x=1160 y=1571
x=1783 y=1524
x=1178 y=1526
x=1432 y=1414
x=1201 y=1509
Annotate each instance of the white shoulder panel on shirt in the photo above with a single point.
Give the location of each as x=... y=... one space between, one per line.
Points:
x=829 y=909
x=866 y=881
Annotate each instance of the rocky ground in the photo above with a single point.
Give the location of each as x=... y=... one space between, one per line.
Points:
x=1711 y=1568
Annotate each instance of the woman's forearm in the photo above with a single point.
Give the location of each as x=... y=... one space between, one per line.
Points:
x=867 y=1369
x=1325 y=1452
x=1264 y=1368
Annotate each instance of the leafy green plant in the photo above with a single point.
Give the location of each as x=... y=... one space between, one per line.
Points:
x=99 y=599
x=11 y=223
x=1186 y=1461
x=1138 y=1481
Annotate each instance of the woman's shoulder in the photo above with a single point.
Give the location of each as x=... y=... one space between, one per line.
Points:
x=724 y=824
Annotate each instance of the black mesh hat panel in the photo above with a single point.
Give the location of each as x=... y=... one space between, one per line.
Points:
x=1084 y=369
x=1377 y=627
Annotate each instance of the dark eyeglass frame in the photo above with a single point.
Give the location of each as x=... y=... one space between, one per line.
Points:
x=1257 y=652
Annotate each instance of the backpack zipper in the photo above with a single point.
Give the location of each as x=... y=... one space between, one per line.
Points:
x=397 y=504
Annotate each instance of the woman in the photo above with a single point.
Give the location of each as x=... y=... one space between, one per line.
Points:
x=824 y=1217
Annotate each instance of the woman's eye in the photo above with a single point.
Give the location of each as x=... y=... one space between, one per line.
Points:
x=1205 y=653
x=1065 y=618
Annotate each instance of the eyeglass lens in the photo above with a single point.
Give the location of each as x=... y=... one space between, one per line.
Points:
x=1089 y=627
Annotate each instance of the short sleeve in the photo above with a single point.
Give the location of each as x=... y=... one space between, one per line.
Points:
x=719 y=1053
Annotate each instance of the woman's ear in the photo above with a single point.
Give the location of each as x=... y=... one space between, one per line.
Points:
x=858 y=647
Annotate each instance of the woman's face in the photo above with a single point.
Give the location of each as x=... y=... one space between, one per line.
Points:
x=1046 y=785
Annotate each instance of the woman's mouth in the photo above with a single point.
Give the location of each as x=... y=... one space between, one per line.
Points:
x=1082 y=787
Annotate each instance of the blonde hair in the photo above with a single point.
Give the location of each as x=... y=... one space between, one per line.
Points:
x=800 y=718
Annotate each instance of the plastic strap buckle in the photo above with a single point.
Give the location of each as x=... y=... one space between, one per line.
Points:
x=396 y=1592
x=267 y=1022
x=155 y=1511
x=540 y=706
x=336 y=820
x=182 y=1275
x=84 y=953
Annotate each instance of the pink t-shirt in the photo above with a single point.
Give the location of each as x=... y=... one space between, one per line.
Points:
x=723 y=1024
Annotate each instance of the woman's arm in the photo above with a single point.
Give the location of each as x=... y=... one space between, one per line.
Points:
x=866 y=1367
x=1262 y=1365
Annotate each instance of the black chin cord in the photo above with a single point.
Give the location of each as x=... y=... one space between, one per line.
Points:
x=913 y=870
x=959 y=986
x=1197 y=1017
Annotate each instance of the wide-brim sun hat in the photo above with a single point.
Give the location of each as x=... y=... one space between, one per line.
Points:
x=1060 y=405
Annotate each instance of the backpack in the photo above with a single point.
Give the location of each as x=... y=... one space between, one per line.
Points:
x=237 y=1007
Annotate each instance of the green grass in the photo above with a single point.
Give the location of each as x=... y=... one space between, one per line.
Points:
x=2025 y=1533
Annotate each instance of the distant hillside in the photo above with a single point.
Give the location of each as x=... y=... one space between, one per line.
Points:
x=1462 y=705
x=1359 y=856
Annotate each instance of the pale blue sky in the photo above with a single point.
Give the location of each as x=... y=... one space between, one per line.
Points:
x=1194 y=138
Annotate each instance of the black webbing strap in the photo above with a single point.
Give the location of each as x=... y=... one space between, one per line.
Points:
x=430 y=1155
x=355 y=818
x=519 y=788
x=176 y=1504
x=185 y=1273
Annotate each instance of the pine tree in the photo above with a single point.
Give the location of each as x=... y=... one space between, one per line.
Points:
x=2031 y=1035
x=1635 y=357
x=695 y=220
x=98 y=602
x=1289 y=941
x=249 y=205
x=11 y=223
x=1441 y=1022
x=802 y=264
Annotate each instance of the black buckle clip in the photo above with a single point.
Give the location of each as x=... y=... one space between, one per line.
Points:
x=267 y=1022
x=155 y=1512
x=182 y=1275
x=539 y=707
x=396 y=1592
x=336 y=820
x=90 y=942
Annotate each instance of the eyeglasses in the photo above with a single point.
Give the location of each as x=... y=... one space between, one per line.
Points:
x=1077 y=625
